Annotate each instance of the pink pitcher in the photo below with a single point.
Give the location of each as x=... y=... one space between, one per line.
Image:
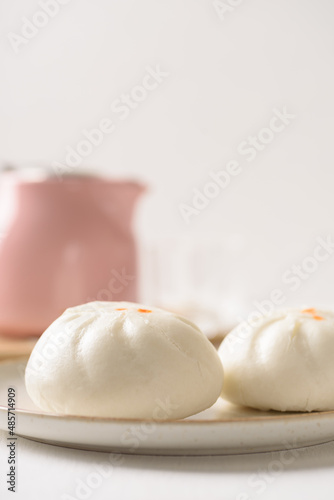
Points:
x=64 y=242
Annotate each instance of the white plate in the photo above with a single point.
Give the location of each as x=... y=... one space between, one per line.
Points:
x=223 y=429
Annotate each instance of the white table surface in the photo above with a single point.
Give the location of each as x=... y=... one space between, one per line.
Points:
x=51 y=472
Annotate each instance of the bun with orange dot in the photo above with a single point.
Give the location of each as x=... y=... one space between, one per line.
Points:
x=123 y=360
x=285 y=362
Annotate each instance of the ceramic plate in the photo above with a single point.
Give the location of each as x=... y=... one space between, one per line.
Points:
x=223 y=429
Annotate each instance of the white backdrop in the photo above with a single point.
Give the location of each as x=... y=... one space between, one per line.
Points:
x=226 y=70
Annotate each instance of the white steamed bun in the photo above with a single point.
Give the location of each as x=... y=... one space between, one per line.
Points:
x=120 y=359
x=284 y=363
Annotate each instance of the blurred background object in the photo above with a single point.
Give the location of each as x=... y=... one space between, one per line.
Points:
x=65 y=241
x=11 y=348
x=179 y=108
x=197 y=276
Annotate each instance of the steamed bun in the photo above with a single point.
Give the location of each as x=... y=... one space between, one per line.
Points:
x=121 y=359
x=284 y=363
